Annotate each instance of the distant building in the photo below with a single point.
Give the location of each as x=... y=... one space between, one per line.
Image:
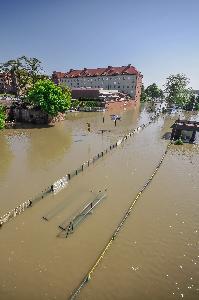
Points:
x=125 y=79
x=98 y=94
x=196 y=92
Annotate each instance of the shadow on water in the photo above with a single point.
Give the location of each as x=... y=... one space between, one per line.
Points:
x=48 y=146
x=29 y=126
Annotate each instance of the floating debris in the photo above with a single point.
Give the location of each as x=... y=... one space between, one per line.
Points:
x=135 y=268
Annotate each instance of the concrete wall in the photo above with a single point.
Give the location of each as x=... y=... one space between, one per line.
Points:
x=28 y=115
x=32 y=116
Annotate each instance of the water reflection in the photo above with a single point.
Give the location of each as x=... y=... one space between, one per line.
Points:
x=48 y=145
x=5 y=155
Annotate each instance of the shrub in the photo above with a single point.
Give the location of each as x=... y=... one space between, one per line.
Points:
x=51 y=98
x=2 y=117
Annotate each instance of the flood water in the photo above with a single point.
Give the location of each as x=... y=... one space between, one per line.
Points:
x=155 y=255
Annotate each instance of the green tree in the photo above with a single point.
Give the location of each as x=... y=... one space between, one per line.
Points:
x=143 y=97
x=2 y=117
x=24 y=72
x=177 y=91
x=12 y=67
x=153 y=92
x=193 y=103
x=33 y=67
x=49 y=97
x=197 y=103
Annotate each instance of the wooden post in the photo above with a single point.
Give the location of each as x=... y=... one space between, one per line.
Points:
x=173 y=133
x=178 y=134
x=89 y=127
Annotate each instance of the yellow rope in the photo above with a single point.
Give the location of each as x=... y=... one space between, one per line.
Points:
x=88 y=276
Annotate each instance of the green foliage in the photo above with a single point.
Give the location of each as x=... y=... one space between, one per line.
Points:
x=193 y=103
x=65 y=88
x=178 y=142
x=197 y=105
x=2 y=117
x=177 y=91
x=49 y=97
x=24 y=72
x=143 y=97
x=153 y=92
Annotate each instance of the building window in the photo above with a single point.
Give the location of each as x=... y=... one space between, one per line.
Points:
x=127 y=87
x=118 y=87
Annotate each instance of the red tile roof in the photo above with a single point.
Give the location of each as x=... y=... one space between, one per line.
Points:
x=109 y=71
x=58 y=74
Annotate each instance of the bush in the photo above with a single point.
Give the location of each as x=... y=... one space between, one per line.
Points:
x=2 y=117
x=49 y=97
x=178 y=142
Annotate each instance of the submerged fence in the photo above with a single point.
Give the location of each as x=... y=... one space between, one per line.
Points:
x=69 y=226
x=116 y=231
x=62 y=182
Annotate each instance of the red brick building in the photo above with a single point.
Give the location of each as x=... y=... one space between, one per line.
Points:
x=6 y=83
x=125 y=79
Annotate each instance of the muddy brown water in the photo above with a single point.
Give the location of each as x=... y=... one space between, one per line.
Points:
x=156 y=254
